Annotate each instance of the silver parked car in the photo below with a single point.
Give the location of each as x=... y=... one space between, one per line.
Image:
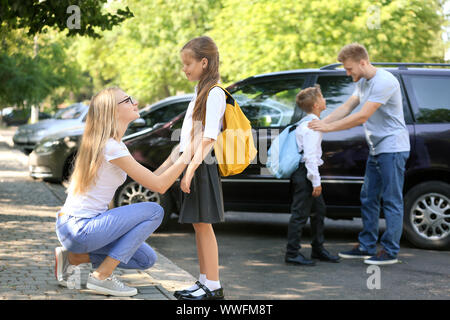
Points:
x=70 y=118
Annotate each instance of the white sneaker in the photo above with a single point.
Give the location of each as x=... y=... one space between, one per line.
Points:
x=110 y=286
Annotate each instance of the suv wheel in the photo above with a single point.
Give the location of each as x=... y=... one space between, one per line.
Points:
x=132 y=192
x=427 y=215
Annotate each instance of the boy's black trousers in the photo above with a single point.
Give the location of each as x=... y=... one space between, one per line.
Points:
x=302 y=204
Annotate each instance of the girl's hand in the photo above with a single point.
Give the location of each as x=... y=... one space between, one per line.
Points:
x=186 y=183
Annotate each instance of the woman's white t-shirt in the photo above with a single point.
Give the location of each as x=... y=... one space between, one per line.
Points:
x=215 y=109
x=109 y=178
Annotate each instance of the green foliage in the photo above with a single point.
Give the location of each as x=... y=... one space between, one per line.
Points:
x=264 y=36
x=141 y=55
x=30 y=74
x=257 y=36
x=38 y=15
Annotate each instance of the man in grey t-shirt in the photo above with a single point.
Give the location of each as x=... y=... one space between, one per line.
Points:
x=381 y=114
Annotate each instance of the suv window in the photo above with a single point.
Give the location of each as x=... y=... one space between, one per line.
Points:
x=430 y=97
x=269 y=103
x=165 y=113
x=336 y=90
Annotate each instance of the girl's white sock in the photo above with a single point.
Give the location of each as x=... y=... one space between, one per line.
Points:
x=210 y=284
x=202 y=279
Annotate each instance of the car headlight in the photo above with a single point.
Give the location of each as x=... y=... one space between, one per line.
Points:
x=47 y=146
x=40 y=133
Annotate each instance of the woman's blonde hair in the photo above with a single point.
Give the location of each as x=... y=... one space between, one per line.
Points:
x=101 y=124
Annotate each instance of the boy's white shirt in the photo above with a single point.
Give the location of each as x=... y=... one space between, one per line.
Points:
x=310 y=142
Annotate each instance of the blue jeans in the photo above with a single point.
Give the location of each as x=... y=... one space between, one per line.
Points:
x=383 y=179
x=119 y=233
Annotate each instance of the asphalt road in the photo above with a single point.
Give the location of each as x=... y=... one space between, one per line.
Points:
x=251 y=255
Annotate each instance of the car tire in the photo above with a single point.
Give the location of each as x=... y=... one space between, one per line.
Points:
x=132 y=192
x=427 y=215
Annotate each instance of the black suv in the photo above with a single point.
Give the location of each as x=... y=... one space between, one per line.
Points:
x=268 y=101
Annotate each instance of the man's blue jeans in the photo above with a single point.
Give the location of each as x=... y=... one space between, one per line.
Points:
x=384 y=177
x=119 y=233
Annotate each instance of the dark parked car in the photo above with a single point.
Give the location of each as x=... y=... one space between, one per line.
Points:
x=70 y=118
x=267 y=99
x=52 y=157
x=21 y=116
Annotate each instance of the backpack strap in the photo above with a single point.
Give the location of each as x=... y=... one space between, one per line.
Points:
x=229 y=98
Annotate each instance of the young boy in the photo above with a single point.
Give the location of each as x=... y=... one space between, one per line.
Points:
x=305 y=184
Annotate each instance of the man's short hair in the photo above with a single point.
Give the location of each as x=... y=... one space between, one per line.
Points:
x=306 y=98
x=353 y=51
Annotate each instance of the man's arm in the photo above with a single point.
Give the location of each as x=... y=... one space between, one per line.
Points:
x=348 y=122
x=342 y=111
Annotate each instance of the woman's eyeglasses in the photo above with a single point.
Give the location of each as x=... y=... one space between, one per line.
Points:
x=128 y=99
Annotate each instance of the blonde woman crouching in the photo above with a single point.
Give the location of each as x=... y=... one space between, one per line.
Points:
x=87 y=230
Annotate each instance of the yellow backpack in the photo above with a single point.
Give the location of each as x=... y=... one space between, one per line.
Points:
x=234 y=148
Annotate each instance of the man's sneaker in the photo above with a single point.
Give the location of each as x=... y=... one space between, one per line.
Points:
x=382 y=258
x=110 y=286
x=355 y=253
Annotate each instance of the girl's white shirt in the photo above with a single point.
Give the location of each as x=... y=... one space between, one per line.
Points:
x=109 y=178
x=215 y=109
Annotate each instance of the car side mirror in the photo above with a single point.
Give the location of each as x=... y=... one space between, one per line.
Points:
x=158 y=125
x=138 y=123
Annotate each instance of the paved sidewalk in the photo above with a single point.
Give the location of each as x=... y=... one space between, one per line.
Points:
x=28 y=239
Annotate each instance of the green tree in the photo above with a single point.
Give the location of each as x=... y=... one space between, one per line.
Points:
x=37 y=16
x=28 y=78
x=142 y=55
x=42 y=67
x=264 y=36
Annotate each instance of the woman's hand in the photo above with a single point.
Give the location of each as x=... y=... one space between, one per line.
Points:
x=186 y=183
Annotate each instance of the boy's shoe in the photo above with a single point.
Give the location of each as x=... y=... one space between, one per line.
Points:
x=110 y=286
x=382 y=258
x=355 y=253
x=299 y=260
x=324 y=255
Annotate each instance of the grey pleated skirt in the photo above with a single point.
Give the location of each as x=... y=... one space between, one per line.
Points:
x=205 y=201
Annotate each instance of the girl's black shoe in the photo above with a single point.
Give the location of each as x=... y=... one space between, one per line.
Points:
x=179 y=293
x=208 y=295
